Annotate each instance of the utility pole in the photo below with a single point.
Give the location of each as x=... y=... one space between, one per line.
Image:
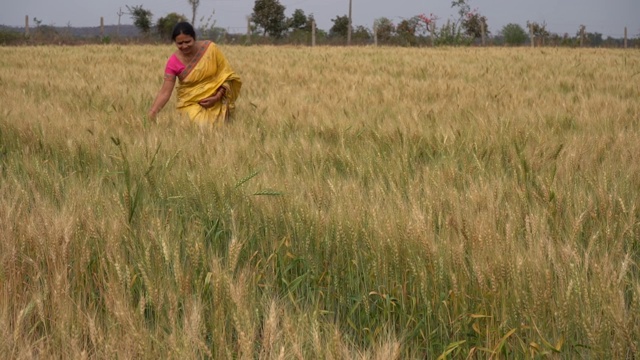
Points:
x=375 y=33
x=432 y=30
x=349 y=29
x=625 y=37
x=248 y=41
x=194 y=8
x=532 y=35
x=120 y=13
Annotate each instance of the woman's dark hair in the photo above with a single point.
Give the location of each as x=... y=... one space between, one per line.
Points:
x=183 y=28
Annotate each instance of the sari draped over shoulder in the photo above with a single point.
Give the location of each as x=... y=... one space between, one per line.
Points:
x=201 y=78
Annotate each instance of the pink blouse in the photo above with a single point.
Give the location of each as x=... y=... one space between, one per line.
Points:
x=174 y=67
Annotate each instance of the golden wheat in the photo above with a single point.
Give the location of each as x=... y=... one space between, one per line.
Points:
x=364 y=203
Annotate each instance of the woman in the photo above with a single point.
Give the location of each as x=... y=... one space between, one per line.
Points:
x=207 y=87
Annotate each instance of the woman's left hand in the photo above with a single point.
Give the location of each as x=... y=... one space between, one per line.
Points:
x=212 y=100
x=209 y=102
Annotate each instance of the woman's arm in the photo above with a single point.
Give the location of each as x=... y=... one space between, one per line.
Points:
x=163 y=96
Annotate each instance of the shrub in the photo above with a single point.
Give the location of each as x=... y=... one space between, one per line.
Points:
x=8 y=37
x=514 y=34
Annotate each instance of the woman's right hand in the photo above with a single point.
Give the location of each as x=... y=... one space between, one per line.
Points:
x=152 y=116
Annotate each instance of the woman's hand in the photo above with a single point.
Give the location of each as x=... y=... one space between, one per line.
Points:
x=212 y=100
x=152 y=115
x=209 y=102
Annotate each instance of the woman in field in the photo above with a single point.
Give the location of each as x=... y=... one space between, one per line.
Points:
x=207 y=86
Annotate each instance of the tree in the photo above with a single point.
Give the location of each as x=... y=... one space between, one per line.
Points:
x=514 y=34
x=361 y=33
x=44 y=32
x=300 y=26
x=141 y=18
x=473 y=23
x=463 y=9
x=450 y=33
x=310 y=20
x=468 y=26
x=208 y=29
x=426 y=24
x=407 y=30
x=37 y=21
x=298 y=20
x=555 y=39
x=539 y=31
x=384 y=28
x=594 y=39
x=269 y=16
x=8 y=37
x=194 y=7
x=165 y=25
x=340 y=26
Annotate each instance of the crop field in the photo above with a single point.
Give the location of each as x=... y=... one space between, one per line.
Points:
x=364 y=203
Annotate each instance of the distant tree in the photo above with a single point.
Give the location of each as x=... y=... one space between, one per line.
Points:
x=300 y=27
x=361 y=33
x=426 y=24
x=44 y=32
x=514 y=34
x=463 y=9
x=322 y=34
x=594 y=39
x=298 y=20
x=466 y=28
x=473 y=23
x=407 y=29
x=555 y=39
x=450 y=33
x=141 y=18
x=269 y=16
x=539 y=31
x=208 y=29
x=340 y=26
x=384 y=28
x=8 y=36
x=612 y=42
x=194 y=8
x=310 y=20
x=568 y=40
x=165 y=25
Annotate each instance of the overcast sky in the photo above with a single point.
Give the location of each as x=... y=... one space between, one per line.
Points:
x=608 y=17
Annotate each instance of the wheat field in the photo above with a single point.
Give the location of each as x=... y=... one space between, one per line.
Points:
x=365 y=203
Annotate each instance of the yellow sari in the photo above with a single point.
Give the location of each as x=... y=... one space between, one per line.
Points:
x=201 y=78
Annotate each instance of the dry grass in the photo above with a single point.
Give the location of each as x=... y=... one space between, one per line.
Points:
x=365 y=203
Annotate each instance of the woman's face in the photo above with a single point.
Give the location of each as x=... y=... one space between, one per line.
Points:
x=185 y=43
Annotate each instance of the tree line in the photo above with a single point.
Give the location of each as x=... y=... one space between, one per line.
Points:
x=269 y=24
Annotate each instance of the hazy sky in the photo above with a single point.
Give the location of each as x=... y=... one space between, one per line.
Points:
x=608 y=17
